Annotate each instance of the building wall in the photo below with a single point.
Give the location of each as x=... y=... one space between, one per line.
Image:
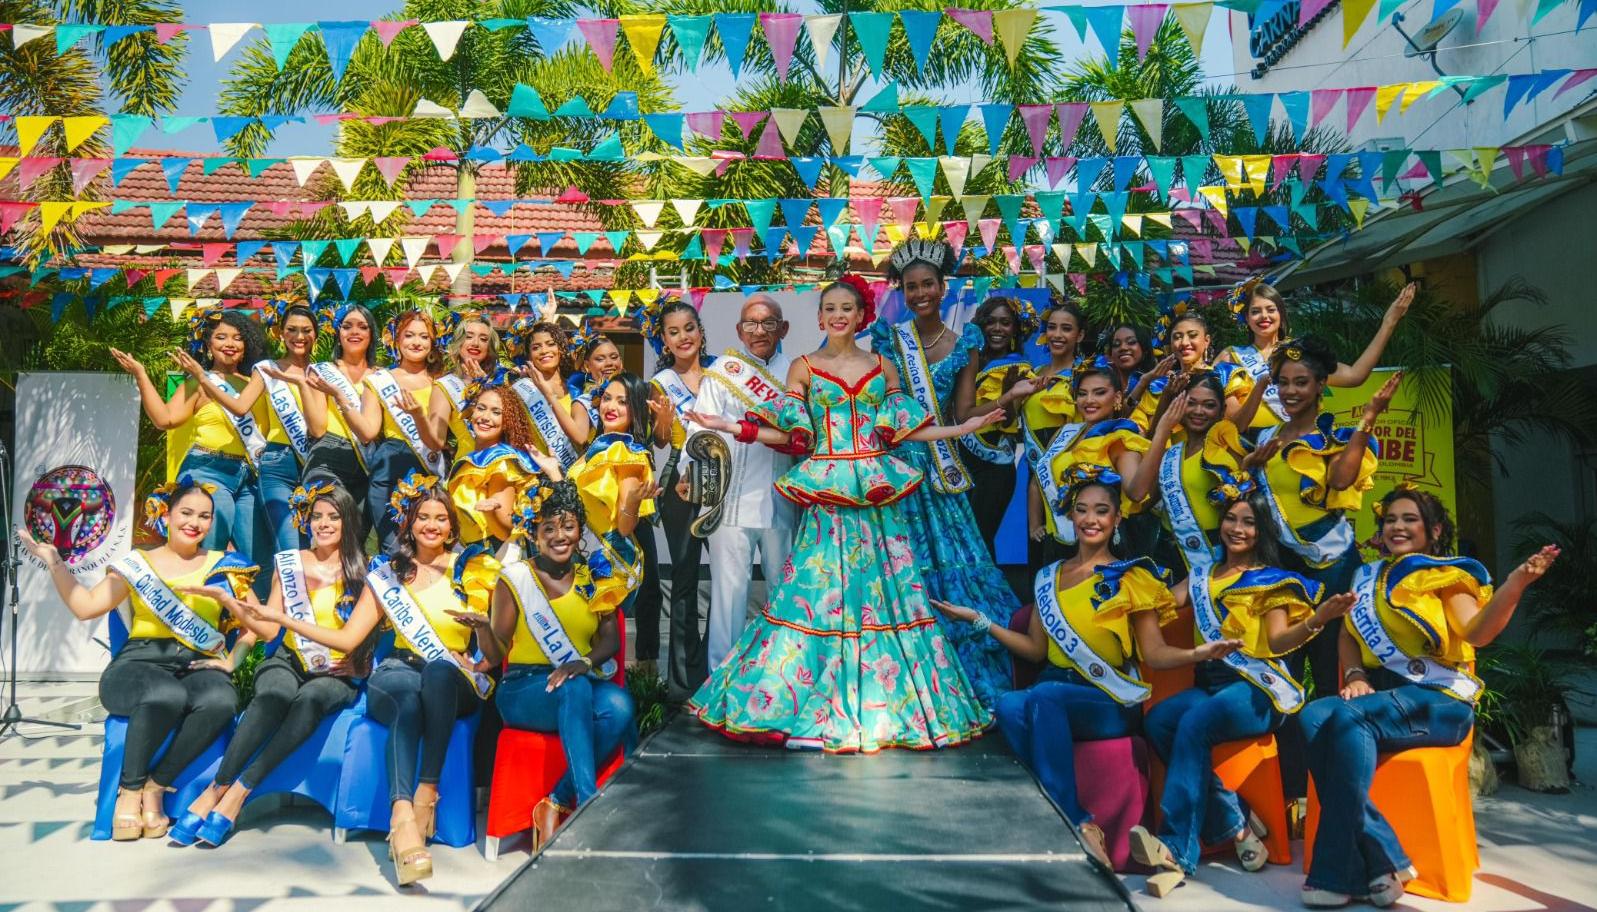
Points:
x=1375 y=57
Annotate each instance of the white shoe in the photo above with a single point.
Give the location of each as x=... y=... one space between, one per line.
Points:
x=1324 y=899
x=1250 y=845
x=1387 y=889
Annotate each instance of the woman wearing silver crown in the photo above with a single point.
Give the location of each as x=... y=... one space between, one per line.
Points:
x=944 y=536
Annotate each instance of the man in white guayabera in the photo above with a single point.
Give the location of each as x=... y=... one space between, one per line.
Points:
x=753 y=515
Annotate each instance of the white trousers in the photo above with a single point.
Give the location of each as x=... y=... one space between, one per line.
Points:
x=731 y=552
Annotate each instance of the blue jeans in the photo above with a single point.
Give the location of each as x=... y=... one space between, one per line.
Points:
x=592 y=716
x=279 y=478
x=1354 y=844
x=234 y=502
x=1043 y=722
x=389 y=461
x=419 y=701
x=1184 y=729
x=1314 y=664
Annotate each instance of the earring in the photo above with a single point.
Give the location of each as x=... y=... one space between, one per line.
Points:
x=1115 y=538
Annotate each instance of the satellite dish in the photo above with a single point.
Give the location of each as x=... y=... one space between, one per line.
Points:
x=1427 y=38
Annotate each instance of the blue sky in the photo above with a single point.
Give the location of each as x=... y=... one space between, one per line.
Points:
x=695 y=92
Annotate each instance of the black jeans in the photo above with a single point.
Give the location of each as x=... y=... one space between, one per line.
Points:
x=149 y=681
x=288 y=705
x=688 y=658
x=333 y=458
x=419 y=702
x=390 y=461
x=648 y=603
x=993 y=486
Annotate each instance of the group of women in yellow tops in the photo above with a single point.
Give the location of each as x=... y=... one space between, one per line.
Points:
x=1189 y=511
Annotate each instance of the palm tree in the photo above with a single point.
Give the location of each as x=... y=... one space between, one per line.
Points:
x=133 y=75
x=390 y=81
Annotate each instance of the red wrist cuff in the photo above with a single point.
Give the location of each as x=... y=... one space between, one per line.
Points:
x=747 y=432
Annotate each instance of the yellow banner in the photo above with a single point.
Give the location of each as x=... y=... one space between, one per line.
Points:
x=1416 y=443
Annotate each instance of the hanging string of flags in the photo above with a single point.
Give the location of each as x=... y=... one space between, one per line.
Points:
x=780 y=31
x=1302 y=111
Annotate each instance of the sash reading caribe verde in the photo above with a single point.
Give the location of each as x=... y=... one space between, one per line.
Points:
x=541 y=410
x=1123 y=687
x=748 y=380
x=297 y=605
x=1422 y=670
x=289 y=414
x=248 y=432
x=542 y=620
x=1259 y=369
x=1190 y=538
x=412 y=624
x=190 y=629
x=387 y=388
x=950 y=476
x=1321 y=552
x=1263 y=673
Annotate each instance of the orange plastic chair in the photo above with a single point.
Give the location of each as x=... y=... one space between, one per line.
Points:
x=1179 y=632
x=1424 y=795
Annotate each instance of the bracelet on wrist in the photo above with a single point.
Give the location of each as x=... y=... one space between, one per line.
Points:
x=1355 y=673
x=747 y=432
x=981 y=623
x=1308 y=624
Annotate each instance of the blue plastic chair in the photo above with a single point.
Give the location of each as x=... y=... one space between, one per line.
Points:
x=363 y=800
x=315 y=768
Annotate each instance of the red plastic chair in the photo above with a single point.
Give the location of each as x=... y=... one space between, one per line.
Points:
x=527 y=764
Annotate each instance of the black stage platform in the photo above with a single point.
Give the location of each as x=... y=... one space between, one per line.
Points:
x=698 y=822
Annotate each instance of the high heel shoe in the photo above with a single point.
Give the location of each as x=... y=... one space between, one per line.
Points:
x=155 y=825
x=1250 y=846
x=426 y=818
x=1149 y=851
x=547 y=818
x=215 y=830
x=186 y=830
x=127 y=826
x=412 y=864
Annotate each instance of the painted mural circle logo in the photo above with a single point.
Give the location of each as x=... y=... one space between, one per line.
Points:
x=72 y=508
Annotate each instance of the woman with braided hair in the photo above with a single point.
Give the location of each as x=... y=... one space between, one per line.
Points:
x=955 y=562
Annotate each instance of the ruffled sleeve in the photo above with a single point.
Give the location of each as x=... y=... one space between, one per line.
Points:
x=899 y=416
x=233 y=571
x=1310 y=457
x=1417 y=588
x=990 y=386
x=1235 y=379
x=1258 y=592
x=1055 y=397
x=598 y=475
x=1222 y=447
x=789 y=414
x=1127 y=587
x=582 y=581
x=474 y=575
x=1099 y=445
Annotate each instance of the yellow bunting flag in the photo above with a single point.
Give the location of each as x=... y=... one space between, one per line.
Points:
x=1012 y=26
x=957 y=170
x=50 y=213
x=1257 y=168
x=935 y=207
x=702 y=165
x=1485 y=158
x=647 y=296
x=839 y=123
x=1354 y=12
x=1194 y=20
x=6 y=164
x=1215 y=196
x=29 y=129
x=1384 y=98
x=621 y=298
x=1088 y=254
x=79 y=129
x=1230 y=170
x=1158 y=218
x=789 y=121
x=643 y=36
x=1358 y=205
x=1150 y=113
x=1107 y=116
x=895 y=233
x=1416 y=91
x=1133 y=224
x=974 y=206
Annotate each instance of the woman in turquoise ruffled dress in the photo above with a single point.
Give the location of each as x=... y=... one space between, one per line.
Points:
x=928 y=356
x=848 y=655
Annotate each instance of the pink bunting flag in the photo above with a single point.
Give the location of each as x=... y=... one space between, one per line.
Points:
x=10 y=212
x=32 y=167
x=389 y=166
x=1056 y=166
x=1216 y=221
x=481 y=242
x=781 y=33
x=572 y=195
x=328 y=120
x=1575 y=79
x=379 y=121
x=166 y=31
x=210 y=254
x=1070 y=117
x=1280 y=167
x=1145 y=20
x=869 y=210
x=1013 y=257
x=741 y=238
x=696 y=297
x=310 y=209
x=1309 y=9
x=749 y=121
x=85 y=170
x=1321 y=101
x=1194 y=217
x=978 y=21
x=601 y=35
x=396 y=275
x=1203 y=247
x=446 y=244
x=1516 y=160
x=954 y=233
x=989 y=231
x=903 y=209
x=1019 y=165
x=369 y=274
x=388 y=29
x=707 y=124
x=1034 y=255
x=770 y=146
x=1079 y=280
x=1418 y=172
x=1538 y=158
x=1483 y=12
x=1357 y=100
x=1308 y=166
x=1036 y=118
x=714 y=240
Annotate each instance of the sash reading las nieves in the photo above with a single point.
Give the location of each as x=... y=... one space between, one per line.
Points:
x=1262 y=673
x=388 y=390
x=287 y=409
x=1042 y=466
x=189 y=628
x=297 y=605
x=1320 y=552
x=1189 y=534
x=1124 y=687
x=542 y=620
x=541 y=410
x=1259 y=369
x=411 y=622
x=1422 y=670
x=249 y=433
x=950 y=476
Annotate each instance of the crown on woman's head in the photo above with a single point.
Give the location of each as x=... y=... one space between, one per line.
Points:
x=936 y=254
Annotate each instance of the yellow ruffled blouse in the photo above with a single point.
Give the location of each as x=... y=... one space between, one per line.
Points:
x=1411 y=596
x=478 y=579
x=1244 y=598
x=1299 y=475
x=1100 y=445
x=990 y=386
x=1099 y=609
x=610 y=459
x=1053 y=405
x=473 y=478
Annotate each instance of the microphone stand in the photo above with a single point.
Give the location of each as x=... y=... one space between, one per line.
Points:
x=10 y=570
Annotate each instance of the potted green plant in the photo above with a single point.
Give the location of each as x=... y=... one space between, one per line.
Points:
x=1531 y=685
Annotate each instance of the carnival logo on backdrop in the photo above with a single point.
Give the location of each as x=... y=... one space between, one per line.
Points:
x=72 y=508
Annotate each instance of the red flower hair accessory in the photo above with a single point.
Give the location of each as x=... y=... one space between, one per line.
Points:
x=867 y=297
